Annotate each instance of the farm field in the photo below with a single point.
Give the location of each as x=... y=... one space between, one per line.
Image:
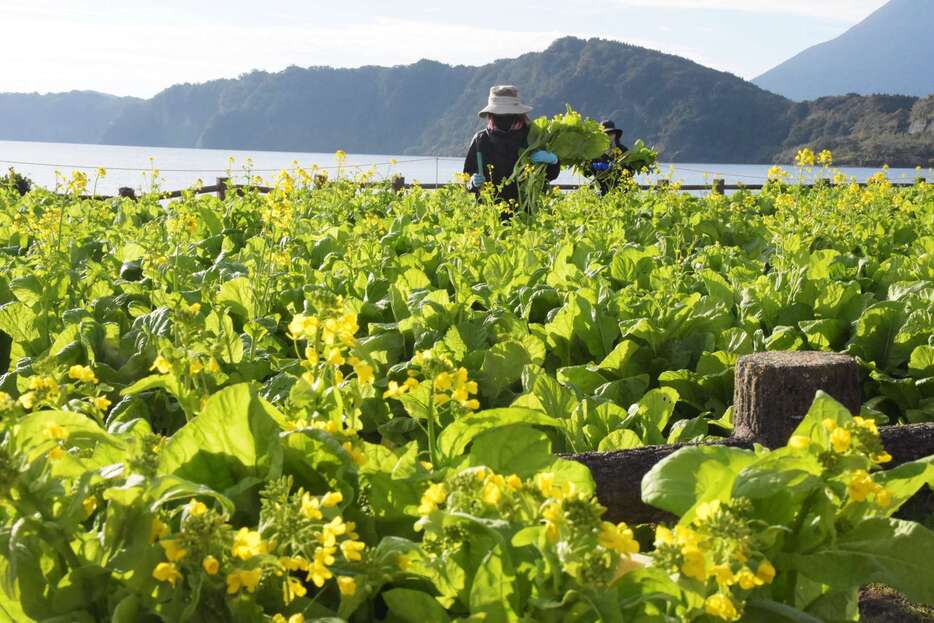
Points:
x=347 y=404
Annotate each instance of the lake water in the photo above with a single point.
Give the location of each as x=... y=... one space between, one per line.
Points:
x=180 y=168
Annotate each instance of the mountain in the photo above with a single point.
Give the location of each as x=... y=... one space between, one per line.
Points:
x=687 y=111
x=890 y=52
x=73 y=117
x=864 y=131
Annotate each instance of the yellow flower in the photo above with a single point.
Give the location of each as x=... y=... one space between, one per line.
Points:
x=663 y=536
x=166 y=572
x=618 y=538
x=723 y=574
x=694 y=565
x=248 y=543
x=55 y=431
x=829 y=425
x=434 y=496
x=443 y=381
x=210 y=565
x=545 y=481
x=157 y=530
x=403 y=562
x=721 y=606
x=90 y=505
x=243 y=578
x=747 y=580
x=869 y=425
x=861 y=485
x=364 y=372
x=334 y=357
x=351 y=550
x=472 y=404
x=765 y=572
x=707 y=510
x=805 y=158
x=101 y=403
x=840 y=440
x=162 y=365
x=303 y=326
x=84 y=374
x=883 y=497
x=332 y=499
x=28 y=400
x=356 y=456
x=825 y=158
x=514 y=482
x=173 y=551
x=196 y=508
x=319 y=573
x=394 y=390
x=6 y=402
x=56 y=454
x=799 y=442
x=492 y=494
x=347 y=585
x=195 y=366
x=441 y=399
x=293 y=589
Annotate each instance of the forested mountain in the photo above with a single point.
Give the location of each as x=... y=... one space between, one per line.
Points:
x=890 y=52
x=73 y=117
x=689 y=112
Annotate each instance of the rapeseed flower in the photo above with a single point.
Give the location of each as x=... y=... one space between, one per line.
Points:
x=347 y=586
x=247 y=544
x=83 y=374
x=210 y=565
x=166 y=572
x=243 y=579
x=721 y=606
x=434 y=496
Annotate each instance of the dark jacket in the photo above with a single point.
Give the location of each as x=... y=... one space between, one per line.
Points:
x=609 y=178
x=500 y=151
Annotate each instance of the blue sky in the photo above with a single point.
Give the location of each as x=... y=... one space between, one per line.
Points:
x=136 y=47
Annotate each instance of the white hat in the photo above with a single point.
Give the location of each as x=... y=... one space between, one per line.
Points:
x=504 y=100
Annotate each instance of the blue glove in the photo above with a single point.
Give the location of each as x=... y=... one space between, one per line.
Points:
x=544 y=157
x=477 y=180
x=600 y=166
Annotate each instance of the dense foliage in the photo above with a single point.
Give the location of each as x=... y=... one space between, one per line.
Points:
x=346 y=403
x=688 y=112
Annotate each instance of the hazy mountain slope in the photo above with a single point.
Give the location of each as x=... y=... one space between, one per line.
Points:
x=73 y=117
x=891 y=51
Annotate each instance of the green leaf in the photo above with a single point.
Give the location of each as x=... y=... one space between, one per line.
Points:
x=235 y=437
x=620 y=440
x=890 y=551
x=692 y=475
x=516 y=449
x=454 y=439
x=238 y=295
x=492 y=590
x=414 y=606
x=904 y=481
x=502 y=366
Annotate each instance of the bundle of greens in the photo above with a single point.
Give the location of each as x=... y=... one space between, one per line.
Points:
x=639 y=158
x=574 y=139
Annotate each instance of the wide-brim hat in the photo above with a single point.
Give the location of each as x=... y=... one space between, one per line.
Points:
x=504 y=100
x=610 y=128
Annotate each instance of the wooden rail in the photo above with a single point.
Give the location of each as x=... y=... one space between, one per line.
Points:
x=398 y=183
x=773 y=392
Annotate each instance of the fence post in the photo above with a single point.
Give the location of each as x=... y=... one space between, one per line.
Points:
x=126 y=192
x=222 y=188
x=398 y=183
x=719 y=186
x=774 y=391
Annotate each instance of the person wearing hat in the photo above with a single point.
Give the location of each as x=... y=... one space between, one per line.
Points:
x=607 y=170
x=494 y=151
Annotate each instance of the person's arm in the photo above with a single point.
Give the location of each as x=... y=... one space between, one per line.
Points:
x=471 y=163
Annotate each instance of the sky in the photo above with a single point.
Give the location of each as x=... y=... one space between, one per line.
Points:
x=137 y=47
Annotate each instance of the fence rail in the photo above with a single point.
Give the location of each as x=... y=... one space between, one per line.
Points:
x=398 y=183
x=773 y=392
